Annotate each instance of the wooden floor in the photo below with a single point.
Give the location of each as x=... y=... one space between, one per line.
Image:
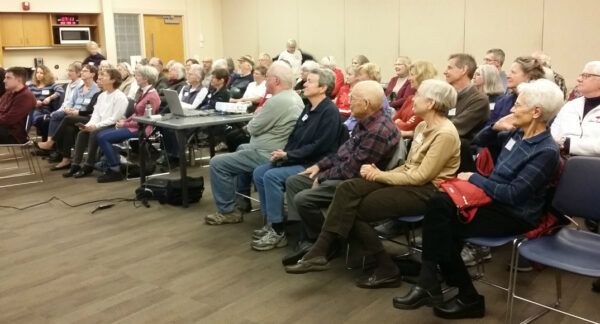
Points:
x=162 y=264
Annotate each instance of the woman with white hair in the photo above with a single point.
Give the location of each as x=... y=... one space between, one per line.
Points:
x=127 y=76
x=329 y=62
x=517 y=187
x=306 y=67
x=399 y=87
x=487 y=80
x=381 y=195
x=292 y=55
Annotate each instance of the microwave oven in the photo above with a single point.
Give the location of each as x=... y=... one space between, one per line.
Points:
x=74 y=35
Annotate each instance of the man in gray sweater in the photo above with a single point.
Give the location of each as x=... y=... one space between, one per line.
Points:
x=269 y=131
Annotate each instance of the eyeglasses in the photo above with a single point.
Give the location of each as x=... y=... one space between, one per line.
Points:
x=488 y=60
x=588 y=75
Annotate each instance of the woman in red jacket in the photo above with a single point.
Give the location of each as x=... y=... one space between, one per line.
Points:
x=343 y=99
x=399 y=87
x=405 y=118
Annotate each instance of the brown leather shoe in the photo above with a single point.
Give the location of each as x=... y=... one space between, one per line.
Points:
x=319 y=263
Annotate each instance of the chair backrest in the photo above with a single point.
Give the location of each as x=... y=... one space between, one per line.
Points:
x=399 y=155
x=578 y=188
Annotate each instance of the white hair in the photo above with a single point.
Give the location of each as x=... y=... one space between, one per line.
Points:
x=283 y=72
x=443 y=94
x=180 y=68
x=291 y=43
x=197 y=70
x=594 y=65
x=220 y=64
x=309 y=65
x=328 y=61
x=544 y=94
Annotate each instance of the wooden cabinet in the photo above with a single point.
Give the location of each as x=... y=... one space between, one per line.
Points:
x=25 y=29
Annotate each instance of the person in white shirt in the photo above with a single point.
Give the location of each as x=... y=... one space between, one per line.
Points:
x=293 y=56
x=256 y=90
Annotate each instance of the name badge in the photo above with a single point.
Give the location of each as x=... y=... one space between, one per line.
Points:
x=304 y=118
x=91 y=63
x=510 y=144
x=45 y=92
x=86 y=101
x=209 y=95
x=419 y=138
x=452 y=112
x=185 y=94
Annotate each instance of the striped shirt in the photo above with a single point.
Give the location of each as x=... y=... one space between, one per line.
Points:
x=373 y=140
x=522 y=172
x=45 y=92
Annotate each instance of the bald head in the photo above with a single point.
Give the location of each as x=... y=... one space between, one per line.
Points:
x=368 y=99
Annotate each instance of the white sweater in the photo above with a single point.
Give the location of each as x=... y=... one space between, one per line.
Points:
x=109 y=108
x=584 y=132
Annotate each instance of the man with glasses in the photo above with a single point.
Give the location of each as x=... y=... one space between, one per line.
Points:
x=495 y=57
x=576 y=128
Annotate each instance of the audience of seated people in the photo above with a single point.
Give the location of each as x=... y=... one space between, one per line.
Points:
x=343 y=99
x=329 y=63
x=80 y=98
x=315 y=135
x=15 y=105
x=373 y=141
x=405 y=117
x=109 y=109
x=399 y=89
x=296 y=151
x=269 y=131
x=49 y=98
x=145 y=76
x=370 y=71
x=487 y=80
x=381 y=195
x=527 y=163
x=495 y=57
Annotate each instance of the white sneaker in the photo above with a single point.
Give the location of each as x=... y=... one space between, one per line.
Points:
x=257 y=234
x=270 y=241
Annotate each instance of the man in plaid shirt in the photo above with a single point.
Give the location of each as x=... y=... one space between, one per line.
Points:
x=373 y=140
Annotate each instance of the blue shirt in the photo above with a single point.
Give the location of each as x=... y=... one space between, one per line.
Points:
x=522 y=172
x=502 y=108
x=81 y=100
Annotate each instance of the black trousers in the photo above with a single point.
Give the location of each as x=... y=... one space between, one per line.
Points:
x=443 y=235
x=358 y=203
x=66 y=133
x=6 y=137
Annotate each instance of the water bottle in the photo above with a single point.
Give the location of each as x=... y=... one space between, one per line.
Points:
x=148 y=112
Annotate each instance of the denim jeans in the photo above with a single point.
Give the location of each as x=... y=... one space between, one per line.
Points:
x=270 y=182
x=225 y=168
x=55 y=119
x=107 y=137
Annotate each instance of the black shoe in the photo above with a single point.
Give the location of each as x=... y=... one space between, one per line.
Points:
x=457 y=309
x=596 y=285
x=110 y=176
x=390 y=229
x=301 y=249
x=374 y=282
x=418 y=297
x=64 y=167
x=54 y=157
x=72 y=171
x=243 y=204
x=85 y=171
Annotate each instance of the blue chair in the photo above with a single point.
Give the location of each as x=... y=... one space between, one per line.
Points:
x=571 y=250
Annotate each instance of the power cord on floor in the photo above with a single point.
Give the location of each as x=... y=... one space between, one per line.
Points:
x=107 y=203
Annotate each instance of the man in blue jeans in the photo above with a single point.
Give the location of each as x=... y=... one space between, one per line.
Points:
x=315 y=135
x=269 y=131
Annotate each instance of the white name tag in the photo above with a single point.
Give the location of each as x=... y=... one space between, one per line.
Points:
x=86 y=101
x=304 y=118
x=510 y=144
x=91 y=63
x=419 y=138
x=185 y=94
x=452 y=112
x=45 y=92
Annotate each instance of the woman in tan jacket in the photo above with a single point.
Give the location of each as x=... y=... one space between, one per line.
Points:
x=380 y=195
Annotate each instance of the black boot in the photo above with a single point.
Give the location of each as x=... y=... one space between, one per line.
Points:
x=85 y=171
x=74 y=169
x=110 y=176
